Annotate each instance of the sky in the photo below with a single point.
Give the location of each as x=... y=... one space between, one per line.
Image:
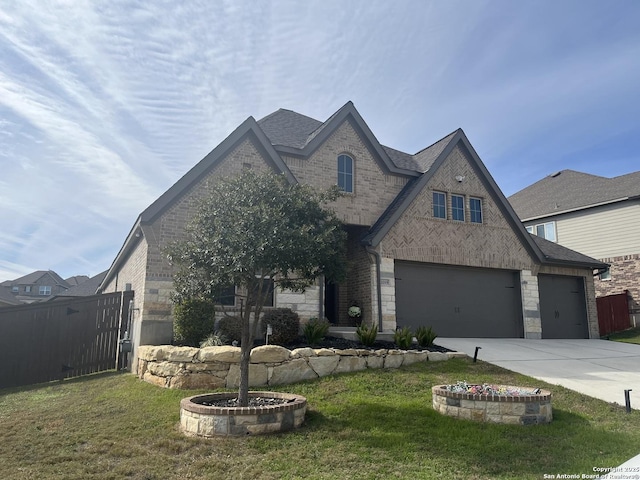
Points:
x=105 y=104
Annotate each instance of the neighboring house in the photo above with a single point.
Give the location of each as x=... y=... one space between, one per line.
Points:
x=86 y=288
x=431 y=238
x=7 y=299
x=597 y=216
x=36 y=287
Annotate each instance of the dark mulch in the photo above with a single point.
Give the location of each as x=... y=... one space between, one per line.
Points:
x=343 y=344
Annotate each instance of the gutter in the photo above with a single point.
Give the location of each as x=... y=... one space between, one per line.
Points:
x=378 y=283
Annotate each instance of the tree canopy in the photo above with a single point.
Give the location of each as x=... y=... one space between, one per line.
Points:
x=254 y=227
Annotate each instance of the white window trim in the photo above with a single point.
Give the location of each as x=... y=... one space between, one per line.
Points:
x=534 y=230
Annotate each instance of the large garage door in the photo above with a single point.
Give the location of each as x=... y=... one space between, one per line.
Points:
x=562 y=307
x=459 y=301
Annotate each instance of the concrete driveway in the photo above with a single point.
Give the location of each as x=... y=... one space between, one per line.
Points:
x=598 y=368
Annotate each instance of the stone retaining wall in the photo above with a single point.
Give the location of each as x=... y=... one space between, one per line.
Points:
x=219 y=367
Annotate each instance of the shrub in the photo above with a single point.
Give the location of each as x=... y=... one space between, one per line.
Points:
x=214 y=339
x=194 y=319
x=367 y=334
x=425 y=336
x=403 y=338
x=231 y=328
x=315 y=330
x=285 y=325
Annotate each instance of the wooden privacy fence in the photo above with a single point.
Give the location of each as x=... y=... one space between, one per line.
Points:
x=61 y=339
x=613 y=313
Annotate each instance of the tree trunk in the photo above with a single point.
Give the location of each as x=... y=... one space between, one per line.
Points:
x=245 y=355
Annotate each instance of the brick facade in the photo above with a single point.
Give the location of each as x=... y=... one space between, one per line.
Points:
x=625 y=275
x=418 y=236
x=373 y=190
x=415 y=236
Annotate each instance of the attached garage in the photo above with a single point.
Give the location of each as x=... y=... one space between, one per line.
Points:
x=562 y=307
x=459 y=301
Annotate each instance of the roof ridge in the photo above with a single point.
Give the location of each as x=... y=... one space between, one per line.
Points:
x=321 y=127
x=438 y=141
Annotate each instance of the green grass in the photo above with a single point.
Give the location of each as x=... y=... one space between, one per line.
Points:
x=367 y=425
x=628 y=336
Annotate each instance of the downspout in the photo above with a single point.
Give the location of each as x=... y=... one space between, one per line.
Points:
x=378 y=283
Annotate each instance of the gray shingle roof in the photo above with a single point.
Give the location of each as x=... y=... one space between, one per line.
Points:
x=33 y=277
x=8 y=298
x=556 y=252
x=569 y=190
x=86 y=288
x=288 y=128
x=291 y=129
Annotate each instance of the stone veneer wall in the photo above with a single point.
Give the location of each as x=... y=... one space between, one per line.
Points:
x=219 y=367
x=530 y=305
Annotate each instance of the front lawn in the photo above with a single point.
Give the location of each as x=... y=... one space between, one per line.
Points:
x=367 y=425
x=628 y=336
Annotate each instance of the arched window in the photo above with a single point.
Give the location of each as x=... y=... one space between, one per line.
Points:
x=345 y=173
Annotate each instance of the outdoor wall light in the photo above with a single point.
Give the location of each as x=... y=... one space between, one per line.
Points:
x=459 y=178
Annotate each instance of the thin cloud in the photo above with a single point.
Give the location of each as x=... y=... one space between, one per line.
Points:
x=104 y=105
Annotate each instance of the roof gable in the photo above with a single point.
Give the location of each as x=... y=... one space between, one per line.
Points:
x=34 y=277
x=439 y=154
x=569 y=190
x=248 y=129
x=298 y=142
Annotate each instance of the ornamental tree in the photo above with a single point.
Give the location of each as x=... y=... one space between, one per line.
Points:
x=255 y=227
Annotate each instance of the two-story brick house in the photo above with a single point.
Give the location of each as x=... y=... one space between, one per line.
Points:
x=431 y=238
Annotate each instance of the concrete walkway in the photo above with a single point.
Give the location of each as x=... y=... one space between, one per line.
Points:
x=598 y=368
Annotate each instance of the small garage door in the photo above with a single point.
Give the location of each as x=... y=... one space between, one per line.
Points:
x=459 y=301
x=562 y=307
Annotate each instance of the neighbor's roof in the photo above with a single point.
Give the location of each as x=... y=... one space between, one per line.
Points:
x=86 y=288
x=568 y=190
x=32 y=278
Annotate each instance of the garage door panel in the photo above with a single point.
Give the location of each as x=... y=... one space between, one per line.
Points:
x=562 y=307
x=458 y=301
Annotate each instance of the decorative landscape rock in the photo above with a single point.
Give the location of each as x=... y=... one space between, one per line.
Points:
x=219 y=367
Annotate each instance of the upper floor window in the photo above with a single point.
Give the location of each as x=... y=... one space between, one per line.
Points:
x=27 y=289
x=439 y=205
x=457 y=207
x=345 y=173
x=475 y=210
x=544 y=230
x=45 y=290
x=15 y=289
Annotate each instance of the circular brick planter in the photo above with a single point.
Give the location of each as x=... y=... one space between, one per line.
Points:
x=208 y=421
x=516 y=410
